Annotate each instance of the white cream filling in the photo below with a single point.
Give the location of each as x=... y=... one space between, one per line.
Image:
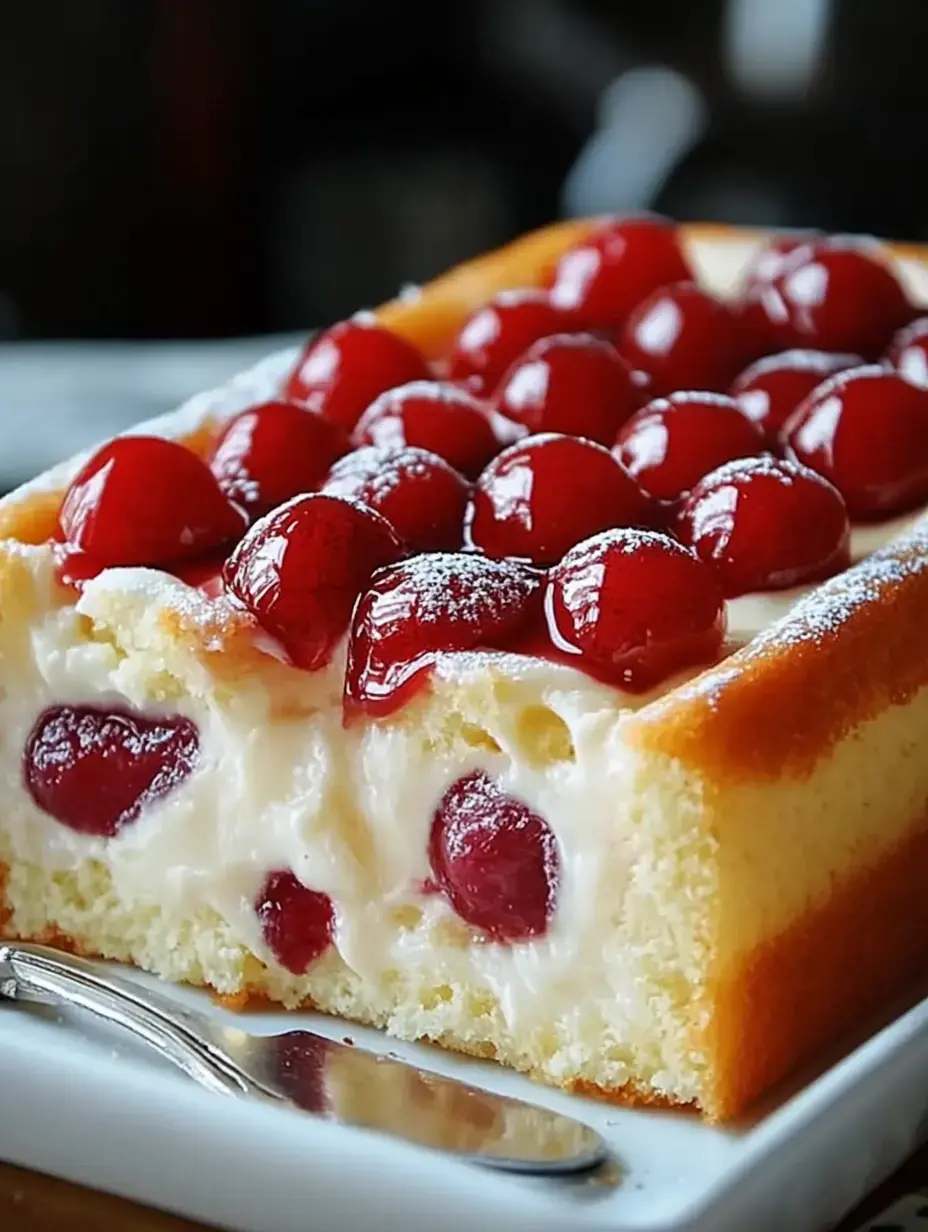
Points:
x=270 y=792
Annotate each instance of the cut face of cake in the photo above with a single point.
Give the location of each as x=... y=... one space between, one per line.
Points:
x=497 y=671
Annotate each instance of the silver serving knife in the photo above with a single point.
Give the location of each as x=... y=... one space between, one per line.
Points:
x=333 y=1081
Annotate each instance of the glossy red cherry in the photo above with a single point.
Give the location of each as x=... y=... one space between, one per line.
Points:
x=769 y=390
x=908 y=352
x=141 y=500
x=622 y=262
x=570 y=383
x=274 y=451
x=683 y=338
x=420 y=495
x=774 y=257
x=95 y=770
x=495 y=859
x=342 y=371
x=636 y=606
x=544 y=494
x=300 y=569
x=297 y=923
x=497 y=334
x=838 y=294
x=440 y=417
x=672 y=442
x=766 y=524
x=425 y=605
x=867 y=431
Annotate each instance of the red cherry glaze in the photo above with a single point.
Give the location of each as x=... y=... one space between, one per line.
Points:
x=420 y=607
x=95 y=770
x=297 y=923
x=672 y=442
x=908 y=352
x=866 y=430
x=684 y=338
x=495 y=859
x=571 y=383
x=766 y=524
x=419 y=494
x=636 y=606
x=544 y=494
x=838 y=294
x=141 y=500
x=440 y=417
x=498 y=333
x=342 y=371
x=602 y=279
x=770 y=389
x=300 y=569
x=274 y=451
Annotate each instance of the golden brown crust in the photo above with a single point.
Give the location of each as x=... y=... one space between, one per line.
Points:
x=835 y=964
x=778 y=705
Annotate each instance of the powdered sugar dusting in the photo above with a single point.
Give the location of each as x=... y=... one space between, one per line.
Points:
x=467 y=588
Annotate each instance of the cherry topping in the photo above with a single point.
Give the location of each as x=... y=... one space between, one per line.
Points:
x=570 y=383
x=141 y=500
x=602 y=279
x=419 y=494
x=637 y=605
x=769 y=390
x=544 y=494
x=342 y=371
x=95 y=770
x=429 y=604
x=274 y=451
x=908 y=352
x=838 y=294
x=300 y=569
x=497 y=334
x=684 y=338
x=766 y=524
x=774 y=257
x=495 y=859
x=867 y=431
x=297 y=923
x=672 y=442
x=440 y=417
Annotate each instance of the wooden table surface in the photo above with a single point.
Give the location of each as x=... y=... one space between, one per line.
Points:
x=30 y=1202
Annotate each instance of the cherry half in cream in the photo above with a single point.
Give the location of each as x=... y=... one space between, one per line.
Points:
x=297 y=923
x=498 y=333
x=343 y=370
x=866 y=431
x=95 y=769
x=634 y=607
x=419 y=494
x=141 y=500
x=300 y=569
x=545 y=493
x=495 y=859
x=672 y=442
x=426 y=605
x=769 y=390
x=838 y=294
x=269 y=453
x=766 y=524
x=570 y=383
x=602 y=279
x=682 y=337
x=440 y=417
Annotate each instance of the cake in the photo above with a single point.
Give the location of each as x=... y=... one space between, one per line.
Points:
x=534 y=666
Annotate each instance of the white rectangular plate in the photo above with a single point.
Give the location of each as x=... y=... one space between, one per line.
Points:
x=93 y=1109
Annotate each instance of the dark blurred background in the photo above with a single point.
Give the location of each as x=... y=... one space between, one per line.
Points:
x=180 y=179
x=206 y=168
